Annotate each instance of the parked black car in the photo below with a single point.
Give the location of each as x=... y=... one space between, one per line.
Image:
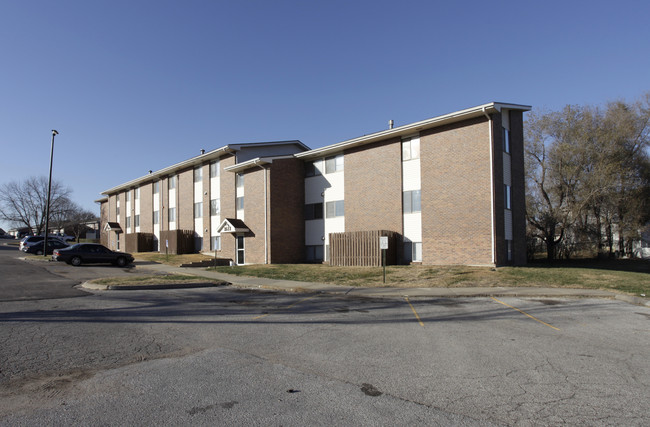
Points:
x=89 y=253
x=37 y=248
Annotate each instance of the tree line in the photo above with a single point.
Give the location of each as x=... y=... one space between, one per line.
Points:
x=588 y=178
x=24 y=203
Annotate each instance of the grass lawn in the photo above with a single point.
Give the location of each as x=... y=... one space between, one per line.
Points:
x=631 y=277
x=151 y=279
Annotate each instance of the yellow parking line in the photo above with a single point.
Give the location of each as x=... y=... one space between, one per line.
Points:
x=414 y=312
x=524 y=313
x=284 y=308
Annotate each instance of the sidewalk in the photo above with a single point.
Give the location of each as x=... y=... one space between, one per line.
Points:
x=394 y=292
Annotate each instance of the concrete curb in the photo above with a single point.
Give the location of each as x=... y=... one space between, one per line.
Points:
x=243 y=282
x=99 y=287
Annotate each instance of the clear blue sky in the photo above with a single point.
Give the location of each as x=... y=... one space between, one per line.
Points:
x=138 y=85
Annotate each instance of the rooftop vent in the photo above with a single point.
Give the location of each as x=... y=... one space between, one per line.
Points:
x=390 y=124
x=202 y=151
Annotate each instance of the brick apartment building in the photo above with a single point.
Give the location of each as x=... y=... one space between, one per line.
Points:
x=447 y=190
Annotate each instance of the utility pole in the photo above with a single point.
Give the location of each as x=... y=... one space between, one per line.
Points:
x=49 y=190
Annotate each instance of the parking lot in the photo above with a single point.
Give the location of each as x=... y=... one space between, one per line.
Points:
x=226 y=356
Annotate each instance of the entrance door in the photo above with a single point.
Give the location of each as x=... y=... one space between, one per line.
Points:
x=240 y=250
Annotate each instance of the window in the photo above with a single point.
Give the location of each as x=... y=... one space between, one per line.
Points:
x=137 y=193
x=156 y=218
x=410 y=149
x=128 y=222
x=198 y=210
x=172 y=182
x=416 y=254
x=314 y=253
x=156 y=187
x=507 y=196
x=240 y=203
x=214 y=207
x=240 y=250
x=506 y=140
x=334 y=209
x=198 y=174
x=311 y=169
x=171 y=214
x=215 y=243
x=313 y=211
x=334 y=164
x=117 y=209
x=128 y=195
x=412 y=202
x=239 y=180
x=137 y=220
x=214 y=169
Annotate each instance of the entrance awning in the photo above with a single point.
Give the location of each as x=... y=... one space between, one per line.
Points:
x=113 y=226
x=232 y=225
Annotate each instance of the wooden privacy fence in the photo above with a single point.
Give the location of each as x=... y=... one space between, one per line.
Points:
x=361 y=248
x=139 y=242
x=180 y=241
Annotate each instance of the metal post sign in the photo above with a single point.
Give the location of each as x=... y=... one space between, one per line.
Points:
x=383 y=245
x=383 y=242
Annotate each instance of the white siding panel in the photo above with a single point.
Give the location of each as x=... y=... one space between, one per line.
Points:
x=413 y=227
x=507 y=169
x=411 y=175
x=508 y=224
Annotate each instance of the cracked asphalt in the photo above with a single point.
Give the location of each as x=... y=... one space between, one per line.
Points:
x=230 y=356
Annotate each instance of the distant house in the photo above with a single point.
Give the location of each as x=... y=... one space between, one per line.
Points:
x=446 y=190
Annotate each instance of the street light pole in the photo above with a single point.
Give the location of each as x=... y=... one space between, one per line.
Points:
x=49 y=190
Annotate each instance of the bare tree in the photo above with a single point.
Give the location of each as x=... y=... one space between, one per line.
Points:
x=588 y=175
x=24 y=202
x=77 y=221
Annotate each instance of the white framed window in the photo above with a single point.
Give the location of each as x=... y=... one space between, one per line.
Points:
x=410 y=148
x=137 y=193
x=313 y=211
x=171 y=215
x=240 y=203
x=416 y=254
x=214 y=169
x=198 y=174
x=412 y=201
x=198 y=209
x=128 y=195
x=335 y=209
x=311 y=169
x=215 y=243
x=137 y=220
x=128 y=223
x=334 y=164
x=156 y=217
x=239 y=180
x=171 y=182
x=214 y=207
x=117 y=208
x=506 y=140
x=156 y=187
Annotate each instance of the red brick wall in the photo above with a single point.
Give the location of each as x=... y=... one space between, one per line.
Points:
x=456 y=194
x=373 y=187
x=185 y=207
x=146 y=208
x=254 y=215
x=286 y=202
